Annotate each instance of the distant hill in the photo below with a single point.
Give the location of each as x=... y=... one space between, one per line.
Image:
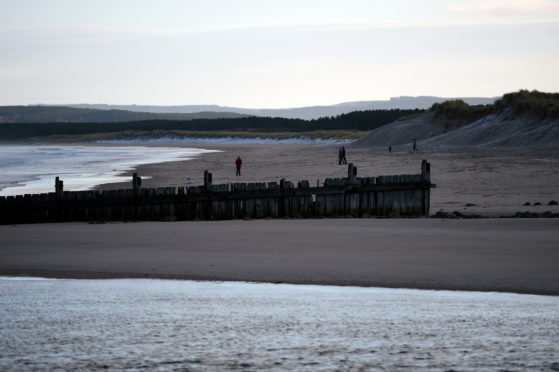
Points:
x=59 y=114
x=518 y=120
x=305 y=113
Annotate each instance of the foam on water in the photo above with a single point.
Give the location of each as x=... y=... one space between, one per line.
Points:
x=30 y=169
x=229 y=140
x=166 y=324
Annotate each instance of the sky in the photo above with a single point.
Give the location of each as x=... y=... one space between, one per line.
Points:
x=273 y=53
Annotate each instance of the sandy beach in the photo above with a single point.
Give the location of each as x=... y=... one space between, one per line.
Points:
x=490 y=183
x=495 y=254
x=507 y=255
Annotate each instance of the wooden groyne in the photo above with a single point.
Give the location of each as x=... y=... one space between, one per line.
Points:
x=382 y=196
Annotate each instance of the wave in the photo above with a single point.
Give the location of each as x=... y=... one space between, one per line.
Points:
x=168 y=140
x=32 y=169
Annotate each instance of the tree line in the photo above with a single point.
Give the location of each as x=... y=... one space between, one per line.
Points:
x=62 y=114
x=358 y=120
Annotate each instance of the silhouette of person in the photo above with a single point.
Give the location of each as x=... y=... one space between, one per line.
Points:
x=414 y=145
x=342 y=156
x=238 y=164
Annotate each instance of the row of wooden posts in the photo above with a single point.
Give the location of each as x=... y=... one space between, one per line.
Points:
x=382 y=196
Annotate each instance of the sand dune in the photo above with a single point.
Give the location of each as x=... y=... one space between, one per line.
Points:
x=492 y=131
x=401 y=132
x=496 y=131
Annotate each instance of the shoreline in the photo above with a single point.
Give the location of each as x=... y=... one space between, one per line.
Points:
x=494 y=255
x=47 y=275
x=81 y=166
x=39 y=274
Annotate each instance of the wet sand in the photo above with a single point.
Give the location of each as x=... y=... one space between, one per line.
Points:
x=507 y=255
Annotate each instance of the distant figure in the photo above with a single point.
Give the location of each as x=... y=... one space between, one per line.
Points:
x=341 y=156
x=389 y=148
x=189 y=181
x=238 y=164
x=414 y=145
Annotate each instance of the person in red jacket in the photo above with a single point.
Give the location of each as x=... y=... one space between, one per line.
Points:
x=238 y=164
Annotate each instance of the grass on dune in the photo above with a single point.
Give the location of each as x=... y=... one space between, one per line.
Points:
x=178 y=134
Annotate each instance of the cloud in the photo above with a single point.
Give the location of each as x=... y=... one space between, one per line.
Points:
x=504 y=8
x=76 y=35
x=86 y=35
x=16 y=73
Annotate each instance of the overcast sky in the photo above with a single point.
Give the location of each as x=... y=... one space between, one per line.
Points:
x=273 y=53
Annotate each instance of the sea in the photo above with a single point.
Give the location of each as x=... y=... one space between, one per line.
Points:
x=150 y=324
x=32 y=169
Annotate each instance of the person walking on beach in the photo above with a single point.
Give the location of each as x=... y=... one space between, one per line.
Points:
x=238 y=164
x=342 y=159
x=414 y=145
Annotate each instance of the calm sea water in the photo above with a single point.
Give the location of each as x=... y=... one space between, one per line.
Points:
x=212 y=326
x=32 y=169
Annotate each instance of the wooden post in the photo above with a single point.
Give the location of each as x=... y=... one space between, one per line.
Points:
x=426 y=176
x=59 y=188
x=351 y=174
x=136 y=183
x=426 y=171
x=207 y=180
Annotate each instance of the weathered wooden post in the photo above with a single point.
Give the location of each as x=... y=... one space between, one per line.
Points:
x=59 y=197
x=351 y=174
x=426 y=177
x=207 y=180
x=351 y=199
x=59 y=188
x=207 y=207
x=136 y=191
x=426 y=171
x=136 y=183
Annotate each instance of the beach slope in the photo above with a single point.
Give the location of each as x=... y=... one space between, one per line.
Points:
x=508 y=255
